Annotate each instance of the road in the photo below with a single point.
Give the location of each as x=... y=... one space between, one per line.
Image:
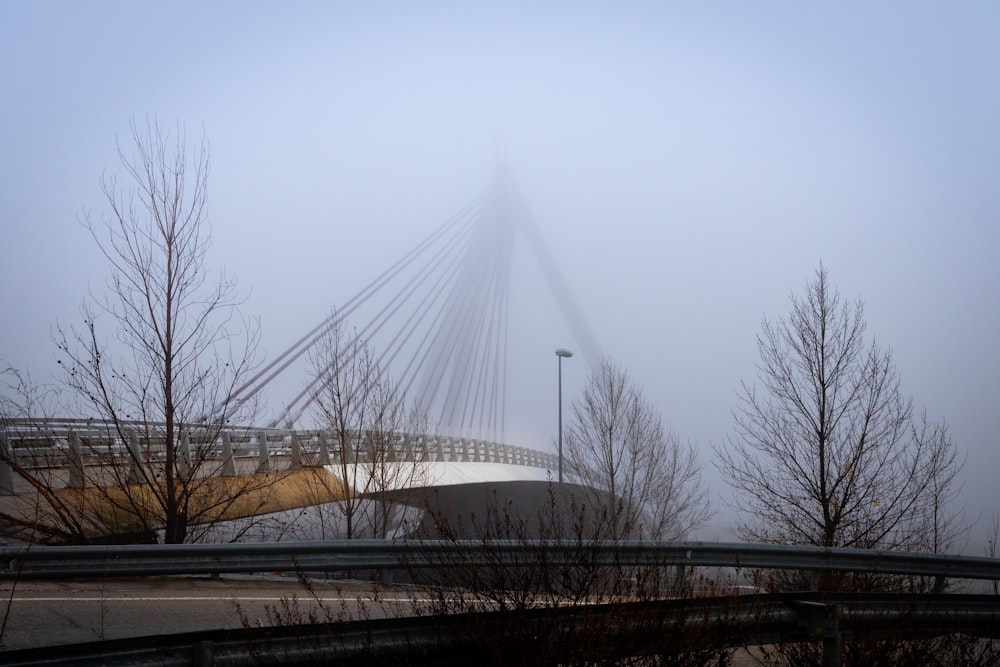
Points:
x=48 y=613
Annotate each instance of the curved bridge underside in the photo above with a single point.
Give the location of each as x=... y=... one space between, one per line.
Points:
x=465 y=500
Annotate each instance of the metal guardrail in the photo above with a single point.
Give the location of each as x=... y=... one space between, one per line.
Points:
x=625 y=630
x=62 y=562
x=736 y=620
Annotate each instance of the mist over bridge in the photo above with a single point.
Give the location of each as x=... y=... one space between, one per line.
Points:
x=437 y=323
x=437 y=320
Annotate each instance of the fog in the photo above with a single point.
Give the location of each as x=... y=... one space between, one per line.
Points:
x=689 y=166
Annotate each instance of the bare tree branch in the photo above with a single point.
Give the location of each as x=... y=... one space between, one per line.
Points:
x=158 y=355
x=828 y=452
x=646 y=483
x=373 y=434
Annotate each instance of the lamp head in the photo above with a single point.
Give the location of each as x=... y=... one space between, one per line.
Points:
x=562 y=352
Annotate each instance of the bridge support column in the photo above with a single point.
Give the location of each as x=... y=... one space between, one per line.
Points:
x=228 y=464
x=324 y=449
x=184 y=455
x=296 y=452
x=6 y=474
x=74 y=462
x=263 y=460
x=135 y=456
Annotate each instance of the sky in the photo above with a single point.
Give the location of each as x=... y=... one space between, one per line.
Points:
x=689 y=164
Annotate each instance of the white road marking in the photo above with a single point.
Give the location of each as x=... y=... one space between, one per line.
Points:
x=226 y=598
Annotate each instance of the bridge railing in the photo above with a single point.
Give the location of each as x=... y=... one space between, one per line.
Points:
x=76 y=443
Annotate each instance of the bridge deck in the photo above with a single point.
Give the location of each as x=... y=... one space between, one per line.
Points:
x=113 y=510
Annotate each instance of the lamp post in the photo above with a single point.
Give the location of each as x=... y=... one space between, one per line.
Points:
x=561 y=352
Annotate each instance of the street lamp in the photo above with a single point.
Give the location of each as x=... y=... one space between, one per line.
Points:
x=561 y=352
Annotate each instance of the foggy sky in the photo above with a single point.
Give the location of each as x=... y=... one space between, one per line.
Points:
x=690 y=166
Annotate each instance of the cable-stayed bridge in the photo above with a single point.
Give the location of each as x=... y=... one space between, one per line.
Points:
x=437 y=320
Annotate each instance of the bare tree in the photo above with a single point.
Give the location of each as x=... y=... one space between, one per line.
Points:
x=938 y=521
x=159 y=353
x=375 y=448
x=828 y=452
x=646 y=484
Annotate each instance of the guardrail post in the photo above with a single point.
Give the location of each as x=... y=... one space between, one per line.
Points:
x=204 y=654
x=823 y=620
x=6 y=475
x=680 y=579
x=228 y=463
x=263 y=459
x=74 y=462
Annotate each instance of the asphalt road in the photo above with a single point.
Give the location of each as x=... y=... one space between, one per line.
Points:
x=52 y=613
x=48 y=613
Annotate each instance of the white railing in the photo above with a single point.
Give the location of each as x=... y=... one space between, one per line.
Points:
x=74 y=442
